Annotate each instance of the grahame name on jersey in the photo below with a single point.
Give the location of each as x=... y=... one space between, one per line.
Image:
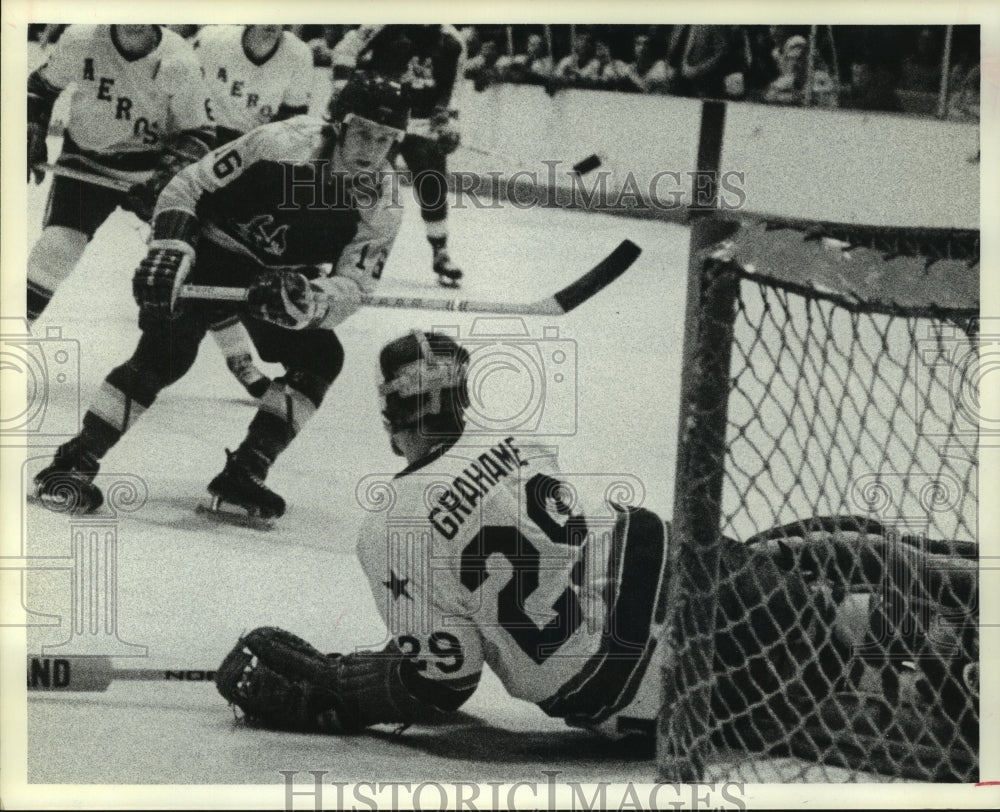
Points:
x=475 y=481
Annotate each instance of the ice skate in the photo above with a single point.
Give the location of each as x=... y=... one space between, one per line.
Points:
x=239 y=495
x=449 y=275
x=66 y=485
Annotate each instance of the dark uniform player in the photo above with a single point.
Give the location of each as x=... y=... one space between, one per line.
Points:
x=255 y=74
x=426 y=59
x=487 y=559
x=263 y=212
x=137 y=114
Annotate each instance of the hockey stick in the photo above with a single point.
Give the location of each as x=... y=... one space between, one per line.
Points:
x=117 y=184
x=572 y=296
x=95 y=674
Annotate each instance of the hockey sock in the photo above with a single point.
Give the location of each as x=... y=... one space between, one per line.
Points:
x=110 y=415
x=234 y=341
x=284 y=409
x=38 y=299
x=437 y=233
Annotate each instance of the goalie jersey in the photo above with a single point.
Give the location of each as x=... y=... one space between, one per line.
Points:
x=245 y=93
x=262 y=198
x=124 y=111
x=486 y=558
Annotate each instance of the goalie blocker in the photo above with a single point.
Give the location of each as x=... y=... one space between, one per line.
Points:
x=549 y=585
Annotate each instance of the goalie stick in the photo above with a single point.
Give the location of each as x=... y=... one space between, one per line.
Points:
x=95 y=674
x=570 y=297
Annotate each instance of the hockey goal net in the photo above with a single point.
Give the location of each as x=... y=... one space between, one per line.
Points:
x=824 y=534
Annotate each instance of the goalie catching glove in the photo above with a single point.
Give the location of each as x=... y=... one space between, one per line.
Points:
x=444 y=129
x=281 y=682
x=288 y=299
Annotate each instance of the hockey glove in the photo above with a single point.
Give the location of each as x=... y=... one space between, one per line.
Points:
x=142 y=197
x=158 y=279
x=444 y=127
x=38 y=150
x=279 y=681
x=287 y=298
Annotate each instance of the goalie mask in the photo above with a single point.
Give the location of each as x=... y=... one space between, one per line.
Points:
x=423 y=384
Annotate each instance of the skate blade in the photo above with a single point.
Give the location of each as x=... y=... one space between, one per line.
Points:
x=448 y=282
x=56 y=505
x=218 y=511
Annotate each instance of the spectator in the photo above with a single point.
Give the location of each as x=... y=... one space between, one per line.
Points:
x=871 y=88
x=470 y=36
x=963 y=102
x=482 y=69
x=710 y=56
x=186 y=31
x=921 y=70
x=581 y=66
x=762 y=66
x=322 y=47
x=534 y=66
x=646 y=74
x=609 y=75
x=789 y=87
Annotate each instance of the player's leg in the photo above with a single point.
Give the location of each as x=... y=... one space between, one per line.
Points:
x=165 y=352
x=234 y=341
x=75 y=210
x=617 y=691
x=312 y=360
x=428 y=165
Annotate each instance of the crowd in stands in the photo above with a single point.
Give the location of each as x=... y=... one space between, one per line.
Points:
x=871 y=68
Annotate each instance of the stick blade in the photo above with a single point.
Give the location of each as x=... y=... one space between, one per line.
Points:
x=594 y=281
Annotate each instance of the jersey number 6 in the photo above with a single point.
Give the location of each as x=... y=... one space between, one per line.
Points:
x=538 y=643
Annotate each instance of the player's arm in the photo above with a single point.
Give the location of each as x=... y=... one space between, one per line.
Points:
x=280 y=681
x=44 y=86
x=358 y=267
x=192 y=133
x=175 y=228
x=295 y=101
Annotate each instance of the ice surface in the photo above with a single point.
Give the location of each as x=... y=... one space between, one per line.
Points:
x=187 y=588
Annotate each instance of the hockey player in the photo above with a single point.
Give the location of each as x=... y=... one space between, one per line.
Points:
x=255 y=74
x=265 y=212
x=565 y=617
x=487 y=559
x=426 y=59
x=137 y=114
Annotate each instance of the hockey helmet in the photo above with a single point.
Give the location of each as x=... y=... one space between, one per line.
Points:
x=372 y=98
x=422 y=383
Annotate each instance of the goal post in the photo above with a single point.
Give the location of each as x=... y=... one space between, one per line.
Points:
x=824 y=538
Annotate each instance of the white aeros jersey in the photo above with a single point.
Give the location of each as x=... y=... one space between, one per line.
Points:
x=483 y=557
x=123 y=105
x=245 y=94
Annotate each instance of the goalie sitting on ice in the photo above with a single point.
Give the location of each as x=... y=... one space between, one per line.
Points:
x=499 y=567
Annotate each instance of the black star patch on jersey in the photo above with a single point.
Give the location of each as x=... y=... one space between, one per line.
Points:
x=397 y=586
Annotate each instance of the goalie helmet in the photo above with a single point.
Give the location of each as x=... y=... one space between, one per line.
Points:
x=423 y=384
x=372 y=98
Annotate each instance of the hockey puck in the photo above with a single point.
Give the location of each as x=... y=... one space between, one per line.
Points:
x=588 y=164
